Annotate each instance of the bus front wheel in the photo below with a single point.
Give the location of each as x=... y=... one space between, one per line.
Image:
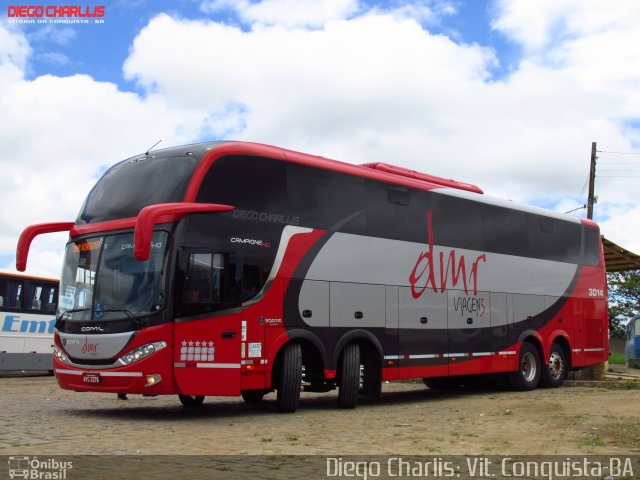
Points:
x=290 y=381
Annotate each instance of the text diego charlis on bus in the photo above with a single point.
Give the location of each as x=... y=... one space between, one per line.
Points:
x=233 y=268
x=40 y=11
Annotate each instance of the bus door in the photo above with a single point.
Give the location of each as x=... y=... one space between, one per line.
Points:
x=207 y=352
x=262 y=326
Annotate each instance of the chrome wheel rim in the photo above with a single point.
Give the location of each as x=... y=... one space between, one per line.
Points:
x=528 y=367
x=556 y=366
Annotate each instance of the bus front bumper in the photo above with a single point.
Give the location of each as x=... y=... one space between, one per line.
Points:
x=149 y=376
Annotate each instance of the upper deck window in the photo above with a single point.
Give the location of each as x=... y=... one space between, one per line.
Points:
x=129 y=186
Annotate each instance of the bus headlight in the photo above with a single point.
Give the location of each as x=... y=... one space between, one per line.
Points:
x=60 y=355
x=141 y=352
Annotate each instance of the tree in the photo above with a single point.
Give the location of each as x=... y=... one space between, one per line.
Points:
x=624 y=299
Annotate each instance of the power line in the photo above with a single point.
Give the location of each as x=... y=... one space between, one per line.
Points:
x=617 y=163
x=618 y=176
x=619 y=153
x=575 y=209
x=578 y=205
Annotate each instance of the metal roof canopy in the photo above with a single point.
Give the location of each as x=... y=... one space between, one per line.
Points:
x=618 y=259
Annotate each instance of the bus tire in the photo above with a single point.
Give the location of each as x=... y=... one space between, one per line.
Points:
x=349 y=377
x=290 y=378
x=190 y=401
x=555 y=372
x=253 y=396
x=527 y=377
x=371 y=380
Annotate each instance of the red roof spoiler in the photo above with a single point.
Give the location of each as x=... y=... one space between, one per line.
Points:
x=405 y=172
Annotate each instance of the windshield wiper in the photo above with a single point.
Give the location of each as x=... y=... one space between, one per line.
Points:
x=69 y=312
x=136 y=320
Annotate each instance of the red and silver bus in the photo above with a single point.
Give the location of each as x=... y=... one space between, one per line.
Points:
x=229 y=268
x=27 y=309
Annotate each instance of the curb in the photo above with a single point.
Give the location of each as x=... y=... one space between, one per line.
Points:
x=612 y=384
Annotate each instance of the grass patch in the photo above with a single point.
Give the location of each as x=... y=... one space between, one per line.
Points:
x=625 y=434
x=593 y=441
x=616 y=358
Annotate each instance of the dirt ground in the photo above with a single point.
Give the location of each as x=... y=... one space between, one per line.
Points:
x=37 y=418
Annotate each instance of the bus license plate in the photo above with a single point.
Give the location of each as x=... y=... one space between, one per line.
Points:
x=91 y=378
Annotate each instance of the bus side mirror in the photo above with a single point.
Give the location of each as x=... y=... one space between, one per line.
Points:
x=31 y=232
x=162 y=213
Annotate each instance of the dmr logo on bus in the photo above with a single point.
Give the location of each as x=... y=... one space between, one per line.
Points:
x=428 y=266
x=55 y=14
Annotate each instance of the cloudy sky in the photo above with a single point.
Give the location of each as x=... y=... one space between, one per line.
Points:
x=505 y=94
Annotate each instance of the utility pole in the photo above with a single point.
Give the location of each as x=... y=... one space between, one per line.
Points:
x=592 y=180
x=598 y=371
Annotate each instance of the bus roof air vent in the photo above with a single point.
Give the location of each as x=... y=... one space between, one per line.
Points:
x=405 y=172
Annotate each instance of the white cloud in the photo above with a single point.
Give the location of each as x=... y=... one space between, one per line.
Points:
x=54 y=58
x=595 y=44
x=380 y=87
x=55 y=34
x=622 y=228
x=288 y=13
x=14 y=49
x=56 y=134
x=594 y=41
x=318 y=13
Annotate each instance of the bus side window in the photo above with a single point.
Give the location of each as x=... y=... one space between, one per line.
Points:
x=203 y=278
x=11 y=293
x=49 y=298
x=41 y=296
x=210 y=283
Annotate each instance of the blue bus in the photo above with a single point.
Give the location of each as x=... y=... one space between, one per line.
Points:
x=632 y=347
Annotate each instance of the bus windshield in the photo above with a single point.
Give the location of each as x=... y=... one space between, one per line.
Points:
x=101 y=278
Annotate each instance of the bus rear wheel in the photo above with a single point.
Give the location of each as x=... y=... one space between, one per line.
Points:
x=527 y=377
x=554 y=374
x=290 y=381
x=191 y=401
x=349 y=377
